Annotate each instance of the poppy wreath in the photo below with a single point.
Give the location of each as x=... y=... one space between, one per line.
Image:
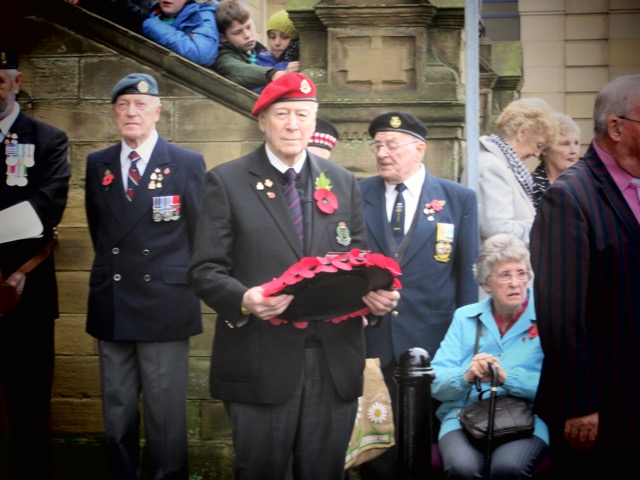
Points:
x=331 y=288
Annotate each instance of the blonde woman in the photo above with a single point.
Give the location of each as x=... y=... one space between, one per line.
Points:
x=506 y=193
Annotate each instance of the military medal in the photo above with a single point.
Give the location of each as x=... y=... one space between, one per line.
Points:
x=344 y=236
x=166 y=208
x=19 y=157
x=444 y=242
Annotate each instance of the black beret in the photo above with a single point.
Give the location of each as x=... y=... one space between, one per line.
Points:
x=8 y=59
x=135 y=83
x=398 y=122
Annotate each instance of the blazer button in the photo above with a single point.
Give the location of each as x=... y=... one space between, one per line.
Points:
x=117 y=277
x=145 y=252
x=115 y=250
x=147 y=278
x=395 y=313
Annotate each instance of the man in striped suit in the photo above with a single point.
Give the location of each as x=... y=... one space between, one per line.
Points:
x=585 y=246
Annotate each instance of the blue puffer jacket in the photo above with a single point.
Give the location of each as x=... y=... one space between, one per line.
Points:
x=194 y=33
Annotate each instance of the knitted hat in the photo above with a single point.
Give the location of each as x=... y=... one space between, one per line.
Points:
x=280 y=21
x=289 y=87
x=398 y=122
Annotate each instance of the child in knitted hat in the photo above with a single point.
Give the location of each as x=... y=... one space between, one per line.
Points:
x=283 y=44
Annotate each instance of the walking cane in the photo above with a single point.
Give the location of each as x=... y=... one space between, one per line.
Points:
x=492 y=414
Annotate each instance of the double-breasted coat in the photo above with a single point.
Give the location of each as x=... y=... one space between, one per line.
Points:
x=138 y=286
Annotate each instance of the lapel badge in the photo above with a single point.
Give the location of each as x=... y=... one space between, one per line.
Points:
x=444 y=242
x=259 y=186
x=268 y=183
x=343 y=234
x=155 y=179
x=271 y=195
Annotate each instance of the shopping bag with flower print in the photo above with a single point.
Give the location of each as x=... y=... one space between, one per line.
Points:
x=373 y=432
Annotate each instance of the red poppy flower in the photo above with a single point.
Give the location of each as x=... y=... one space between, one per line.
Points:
x=327 y=202
x=272 y=287
x=436 y=205
x=107 y=179
x=533 y=331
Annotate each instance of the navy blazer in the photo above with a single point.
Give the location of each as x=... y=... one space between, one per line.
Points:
x=138 y=287
x=46 y=191
x=245 y=238
x=431 y=290
x=585 y=246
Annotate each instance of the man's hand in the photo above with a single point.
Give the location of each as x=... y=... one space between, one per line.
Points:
x=381 y=301
x=265 y=307
x=581 y=432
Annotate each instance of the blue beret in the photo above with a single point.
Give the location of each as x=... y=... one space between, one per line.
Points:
x=8 y=59
x=135 y=83
x=398 y=122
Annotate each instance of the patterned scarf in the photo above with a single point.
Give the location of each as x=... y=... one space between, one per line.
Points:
x=518 y=168
x=540 y=183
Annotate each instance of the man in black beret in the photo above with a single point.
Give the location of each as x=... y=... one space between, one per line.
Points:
x=430 y=226
x=142 y=200
x=33 y=196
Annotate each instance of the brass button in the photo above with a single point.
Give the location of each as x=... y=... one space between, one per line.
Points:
x=395 y=314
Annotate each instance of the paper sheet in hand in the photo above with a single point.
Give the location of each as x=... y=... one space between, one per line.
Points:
x=18 y=222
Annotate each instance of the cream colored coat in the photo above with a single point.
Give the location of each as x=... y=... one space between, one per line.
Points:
x=504 y=206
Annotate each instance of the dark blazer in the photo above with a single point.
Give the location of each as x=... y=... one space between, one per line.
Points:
x=585 y=246
x=138 y=287
x=245 y=238
x=46 y=190
x=431 y=290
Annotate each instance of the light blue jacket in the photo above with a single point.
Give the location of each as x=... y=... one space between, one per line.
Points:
x=519 y=352
x=193 y=34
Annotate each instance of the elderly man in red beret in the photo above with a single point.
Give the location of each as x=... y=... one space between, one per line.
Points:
x=290 y=388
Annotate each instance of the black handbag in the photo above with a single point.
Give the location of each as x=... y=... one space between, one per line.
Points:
x=497 y=419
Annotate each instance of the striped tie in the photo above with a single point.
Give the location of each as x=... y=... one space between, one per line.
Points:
x=293 y=203
x=134 y=175
x=397 y=215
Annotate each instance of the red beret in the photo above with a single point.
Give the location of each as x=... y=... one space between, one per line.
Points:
x=289 y=87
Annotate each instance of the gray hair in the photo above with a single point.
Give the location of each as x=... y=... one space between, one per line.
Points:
x=498 y=249
x=614 y=99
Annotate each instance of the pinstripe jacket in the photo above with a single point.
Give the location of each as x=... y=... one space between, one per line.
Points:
x=585 y=246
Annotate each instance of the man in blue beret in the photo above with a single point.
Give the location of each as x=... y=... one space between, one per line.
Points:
x=290 y=389
x=430 y=226
x=142 y=201
x=33 y=196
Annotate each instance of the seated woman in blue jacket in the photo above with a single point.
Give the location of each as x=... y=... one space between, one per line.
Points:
x=509 y=340
x=187 y=27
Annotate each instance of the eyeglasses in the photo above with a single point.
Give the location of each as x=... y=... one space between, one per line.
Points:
x=520 y=276
x=389 y=147
x=625 y=118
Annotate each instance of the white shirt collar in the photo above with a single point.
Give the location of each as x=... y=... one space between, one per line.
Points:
x=413 y=183
x=280 y=165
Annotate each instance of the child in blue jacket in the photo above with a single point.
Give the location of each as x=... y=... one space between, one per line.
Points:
x=187 y=27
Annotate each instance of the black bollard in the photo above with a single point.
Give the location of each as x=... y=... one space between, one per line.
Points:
x=414 y=375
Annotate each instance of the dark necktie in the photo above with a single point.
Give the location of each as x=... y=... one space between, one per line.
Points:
x=293 y=203
x=397 y=215
x=134 y=175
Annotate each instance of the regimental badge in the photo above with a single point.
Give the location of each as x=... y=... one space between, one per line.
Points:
x=444 y=241
x=166 y=208
x=19 y=157
x=395 y=122
x=305 y=87
x=343 y=234
x=143 y=87
x=3 y=58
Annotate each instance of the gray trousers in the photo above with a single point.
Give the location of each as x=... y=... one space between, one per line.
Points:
x=159 y=372
x=304 y=438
